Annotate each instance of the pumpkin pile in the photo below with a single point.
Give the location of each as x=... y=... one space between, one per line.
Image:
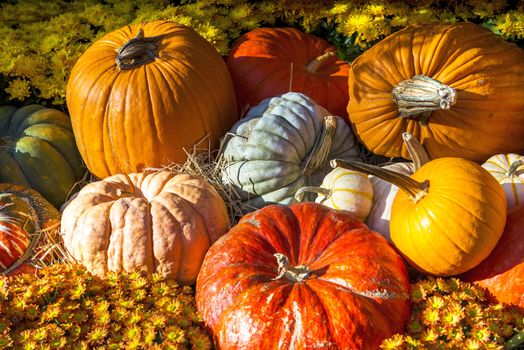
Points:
x=327 y=248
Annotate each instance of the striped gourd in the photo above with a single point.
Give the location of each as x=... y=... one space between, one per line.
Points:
x=24 y=214
x=13 y=243
x=508 y=169
x=344 y=189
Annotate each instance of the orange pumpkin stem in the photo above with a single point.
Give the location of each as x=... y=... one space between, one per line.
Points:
x=513 y=167
x=416 y=190
x=138 y=51
x=418 y=154
x=320 y=151
x=417 y=97
x=320 y=61
x=297 y=273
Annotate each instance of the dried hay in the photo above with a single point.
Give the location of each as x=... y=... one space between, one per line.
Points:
x=208 y=164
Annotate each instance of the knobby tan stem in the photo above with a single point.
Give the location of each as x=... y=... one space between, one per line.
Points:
x=299 y=195
x=418 y=154
x=416 y=190
x=512 y=170
x=320 y=61
x=297 y=273
x=320 y=151
x=417 y=97
x=138 y=51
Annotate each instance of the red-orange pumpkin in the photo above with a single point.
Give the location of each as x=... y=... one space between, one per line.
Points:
x=502 y=272
x=141 y=94
x=268 y=62
x=336 y=285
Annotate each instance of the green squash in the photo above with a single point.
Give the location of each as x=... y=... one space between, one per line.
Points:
x=38 y=150
x=284 y=143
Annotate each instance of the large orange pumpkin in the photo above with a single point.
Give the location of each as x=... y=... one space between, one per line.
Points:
x=502 y=272
x=302 y=276
x=157 y=222
x=457 y=88
x=141 y=94
x=268 y=62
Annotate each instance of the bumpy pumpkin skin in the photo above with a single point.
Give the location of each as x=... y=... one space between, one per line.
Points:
x=260 y=65
x=38 y=150
x=456 y=224
x=486 y=71
x=23 y=212
x=266 y=156
x=126 y=120
x=356 y=295
x=157 y=222
x=502 y=272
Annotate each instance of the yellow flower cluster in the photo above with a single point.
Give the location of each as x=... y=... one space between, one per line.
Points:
x=41 y=41
x=450 y=314
x=65 y=307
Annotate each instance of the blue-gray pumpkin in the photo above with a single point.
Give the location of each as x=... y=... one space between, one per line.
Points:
x=283 y=144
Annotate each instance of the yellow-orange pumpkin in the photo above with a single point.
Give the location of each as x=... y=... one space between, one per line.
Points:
x=157 y=222
x=457 y=88
x=447 y=217
x=141 y=94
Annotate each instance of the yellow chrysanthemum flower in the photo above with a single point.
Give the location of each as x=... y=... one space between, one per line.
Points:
x=430 y=317
x=18 y=89
x=472 y=344
x=511 y=25
x=174 y=334
x=357 y=22
x=340 y=8
x=393 y=343
x=429 y=335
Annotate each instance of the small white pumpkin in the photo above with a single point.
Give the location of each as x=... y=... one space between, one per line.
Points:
x=508 y=169
x=344 y=189
x=385 y=192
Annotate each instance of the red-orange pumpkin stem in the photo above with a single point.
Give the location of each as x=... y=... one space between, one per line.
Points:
x=417 y=97
x=138 y=51
x=297 y=273
x=416 y=190
x=320 y=61
x=320 y=151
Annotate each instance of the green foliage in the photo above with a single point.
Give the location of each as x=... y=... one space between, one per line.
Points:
x=41 y=41
x=450 y=314
x=65 y=307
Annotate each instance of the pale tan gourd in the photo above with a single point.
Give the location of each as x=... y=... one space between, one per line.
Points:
x=153 y=222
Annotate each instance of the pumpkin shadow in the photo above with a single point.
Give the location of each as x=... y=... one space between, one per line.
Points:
x=320 y=272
